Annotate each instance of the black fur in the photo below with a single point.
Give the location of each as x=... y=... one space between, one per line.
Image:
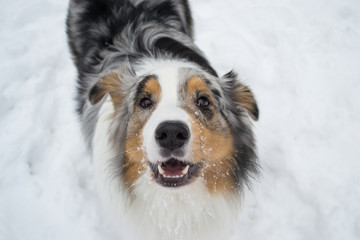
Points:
x=94 y=29
x=244 y=142
x=142 y=83
x=178 y=50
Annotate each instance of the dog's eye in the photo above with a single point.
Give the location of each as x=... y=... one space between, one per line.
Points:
x=145 y=103
x=203 y=102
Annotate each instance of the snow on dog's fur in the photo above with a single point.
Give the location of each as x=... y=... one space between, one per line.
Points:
x=171 y=140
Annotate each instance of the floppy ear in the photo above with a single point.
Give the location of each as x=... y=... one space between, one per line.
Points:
x=240 y=93
x=110 y=83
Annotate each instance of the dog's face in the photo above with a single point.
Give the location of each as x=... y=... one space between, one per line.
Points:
x=181 y=125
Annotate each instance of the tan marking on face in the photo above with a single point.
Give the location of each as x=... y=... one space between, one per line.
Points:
x=195 y=84
x=152 y=86
x=134 y=165
x=215 y=150
x=134 y=159
x=212 y=141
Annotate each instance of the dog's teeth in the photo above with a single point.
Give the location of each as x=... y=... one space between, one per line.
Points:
x=161 y=171
x=186 y=169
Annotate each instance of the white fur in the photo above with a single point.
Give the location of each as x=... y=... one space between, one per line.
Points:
x=155 y=212
x=150 y=65
x=168 y=109
x=185 y=213
x=103 y=153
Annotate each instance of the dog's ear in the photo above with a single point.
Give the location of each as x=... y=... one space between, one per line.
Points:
x=240 y=94
x=111 y=84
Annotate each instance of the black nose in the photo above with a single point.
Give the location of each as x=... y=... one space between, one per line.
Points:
x=172 y=134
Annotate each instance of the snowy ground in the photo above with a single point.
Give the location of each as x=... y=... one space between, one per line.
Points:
x=302 y=59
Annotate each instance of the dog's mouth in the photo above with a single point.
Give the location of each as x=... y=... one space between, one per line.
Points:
x=174 y=173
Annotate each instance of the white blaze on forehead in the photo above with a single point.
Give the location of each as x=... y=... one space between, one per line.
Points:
x=168 y=108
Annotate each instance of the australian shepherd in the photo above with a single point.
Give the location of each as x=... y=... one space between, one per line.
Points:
x=171 y=141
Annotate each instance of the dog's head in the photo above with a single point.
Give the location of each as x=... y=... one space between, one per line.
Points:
x=178 y=124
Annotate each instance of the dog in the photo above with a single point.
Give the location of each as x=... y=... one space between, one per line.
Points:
x=171 y=141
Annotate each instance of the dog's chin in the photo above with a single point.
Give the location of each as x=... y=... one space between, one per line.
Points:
x=174 y=173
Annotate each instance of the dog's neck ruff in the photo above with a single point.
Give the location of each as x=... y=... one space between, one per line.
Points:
x=186 y=213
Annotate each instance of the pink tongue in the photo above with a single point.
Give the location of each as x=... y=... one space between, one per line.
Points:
x=173 y=168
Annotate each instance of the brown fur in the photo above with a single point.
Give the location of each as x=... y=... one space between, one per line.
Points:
x=134 y=163
x=110 y=83
x=214 y=149
x=195 y=84
x=152 y=87
x=247 y=100
x=213 y=143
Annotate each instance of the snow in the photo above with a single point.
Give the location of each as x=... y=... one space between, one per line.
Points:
x=300 y=57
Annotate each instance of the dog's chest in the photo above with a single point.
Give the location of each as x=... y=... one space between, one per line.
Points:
x=183 y=215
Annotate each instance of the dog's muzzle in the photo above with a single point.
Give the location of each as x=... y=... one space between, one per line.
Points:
x=172 y=137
